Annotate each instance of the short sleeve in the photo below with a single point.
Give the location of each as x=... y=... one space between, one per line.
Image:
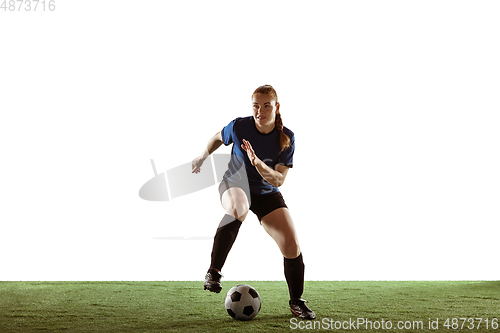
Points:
x=227 y=133
x=286 y=156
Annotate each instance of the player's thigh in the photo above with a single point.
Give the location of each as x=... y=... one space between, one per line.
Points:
x=235 y=202
x=279 y=225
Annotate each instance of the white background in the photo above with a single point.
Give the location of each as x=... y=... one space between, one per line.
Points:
x=395 y=106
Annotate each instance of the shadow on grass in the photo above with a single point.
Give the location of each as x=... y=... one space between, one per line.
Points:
x=261 y=323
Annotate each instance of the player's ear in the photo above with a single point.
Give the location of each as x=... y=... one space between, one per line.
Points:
x=277 y=107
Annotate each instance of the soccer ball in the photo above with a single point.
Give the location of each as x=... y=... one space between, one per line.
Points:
x=242 y=302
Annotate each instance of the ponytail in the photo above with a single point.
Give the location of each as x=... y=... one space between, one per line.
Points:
x=284 y=139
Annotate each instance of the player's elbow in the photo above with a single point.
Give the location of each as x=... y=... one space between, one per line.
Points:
x=279 y=181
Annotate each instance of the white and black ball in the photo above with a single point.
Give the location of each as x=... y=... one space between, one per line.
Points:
x=242 y=302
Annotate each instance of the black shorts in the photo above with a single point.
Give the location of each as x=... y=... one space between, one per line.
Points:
x=260 y=204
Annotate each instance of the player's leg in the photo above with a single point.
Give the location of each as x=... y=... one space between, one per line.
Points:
x=279 y=225
x=235 y=203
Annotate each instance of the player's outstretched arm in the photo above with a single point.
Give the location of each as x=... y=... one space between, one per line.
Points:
x=214 y=143
x=274 y=177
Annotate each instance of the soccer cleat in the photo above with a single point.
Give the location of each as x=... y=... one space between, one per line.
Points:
x=212 y=281
x=300 y=309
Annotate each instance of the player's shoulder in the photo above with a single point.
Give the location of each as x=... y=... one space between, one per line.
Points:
x=242 y=122
x=234 y=123
x=245 y=120
x=288 y=132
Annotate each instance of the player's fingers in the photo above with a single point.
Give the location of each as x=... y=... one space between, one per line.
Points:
x=195 y=164
x=250 y=147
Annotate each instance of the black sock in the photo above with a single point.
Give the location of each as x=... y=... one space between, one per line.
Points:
x=223 y=240
x=294 y=275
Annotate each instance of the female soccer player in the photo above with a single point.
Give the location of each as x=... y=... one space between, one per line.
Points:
x=261 y=155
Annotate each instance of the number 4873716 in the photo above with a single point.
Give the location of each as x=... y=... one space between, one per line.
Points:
x=28 y=5
x=471 y=323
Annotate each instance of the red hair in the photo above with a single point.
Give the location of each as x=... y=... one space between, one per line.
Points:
x=269 y=90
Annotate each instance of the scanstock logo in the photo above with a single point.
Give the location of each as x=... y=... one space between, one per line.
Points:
x=180 y=180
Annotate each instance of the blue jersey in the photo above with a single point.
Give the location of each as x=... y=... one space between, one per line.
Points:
x=266 y=147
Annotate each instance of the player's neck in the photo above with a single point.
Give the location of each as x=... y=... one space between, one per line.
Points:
x=265 y=129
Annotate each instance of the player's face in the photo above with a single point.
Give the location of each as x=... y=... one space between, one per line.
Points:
x=264 y=110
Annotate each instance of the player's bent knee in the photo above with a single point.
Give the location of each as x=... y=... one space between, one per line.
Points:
x=290 y=250
x=239 y=210
x=235 y=202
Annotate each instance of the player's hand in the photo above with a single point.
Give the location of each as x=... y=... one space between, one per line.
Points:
x=196 y=164
x=250 y=152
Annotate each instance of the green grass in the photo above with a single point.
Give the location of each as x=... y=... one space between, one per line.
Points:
x=186 y=307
